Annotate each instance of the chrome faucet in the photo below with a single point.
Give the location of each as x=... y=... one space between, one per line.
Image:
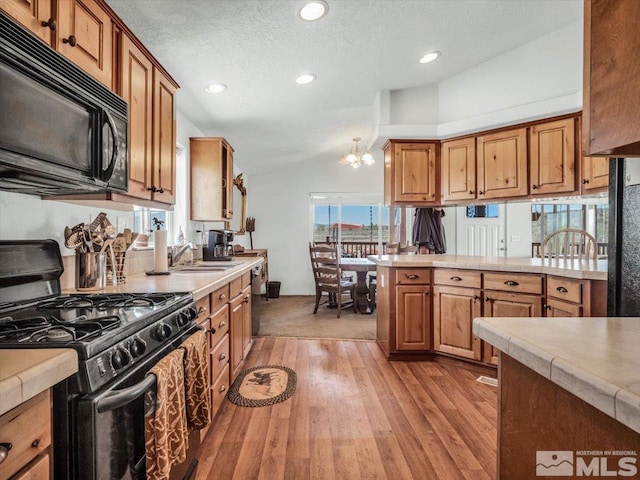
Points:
x=178 y=252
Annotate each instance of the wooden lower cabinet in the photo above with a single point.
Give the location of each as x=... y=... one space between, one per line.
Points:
x=413 y=326
x=27 y=428
x=454 y=309
x=240 y=340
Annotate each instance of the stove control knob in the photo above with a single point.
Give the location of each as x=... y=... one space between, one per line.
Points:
x=163 y=331
x=182 y=319
x=119 y=358
x=137 y=347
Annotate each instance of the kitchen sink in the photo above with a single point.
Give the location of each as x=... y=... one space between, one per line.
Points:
x=204 y=267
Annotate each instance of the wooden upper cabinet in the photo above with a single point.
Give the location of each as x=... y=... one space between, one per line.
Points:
x=595 y=174
x=164 y=139
x=502 y=164
x=458 y=169
x=136 y=87
x=211 y=179
x=552 y=157
x=611 y=86
x=38 y=16
x=85 y=37
x=411 y=173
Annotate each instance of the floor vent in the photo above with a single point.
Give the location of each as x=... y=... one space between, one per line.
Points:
x=488 y=380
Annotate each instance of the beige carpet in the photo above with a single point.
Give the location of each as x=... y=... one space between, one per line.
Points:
x=292 y=316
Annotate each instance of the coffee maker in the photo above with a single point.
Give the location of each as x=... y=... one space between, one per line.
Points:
x=219 y=246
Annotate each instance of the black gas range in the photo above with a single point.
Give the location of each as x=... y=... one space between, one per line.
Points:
x=118 y=338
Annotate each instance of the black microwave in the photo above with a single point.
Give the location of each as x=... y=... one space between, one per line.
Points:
x=61 y=131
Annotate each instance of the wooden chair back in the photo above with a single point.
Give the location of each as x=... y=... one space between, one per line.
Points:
x=397 y=249
x=569 y=244
x=326 y=266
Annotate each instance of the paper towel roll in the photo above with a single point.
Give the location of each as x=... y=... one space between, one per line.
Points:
x=160 y=251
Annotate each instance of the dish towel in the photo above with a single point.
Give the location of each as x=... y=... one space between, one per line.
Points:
x=196 y=381
x=165 y=422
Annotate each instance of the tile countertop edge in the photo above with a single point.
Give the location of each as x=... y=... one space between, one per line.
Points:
x=24 y=376
x=590 y=388
x=587 y=270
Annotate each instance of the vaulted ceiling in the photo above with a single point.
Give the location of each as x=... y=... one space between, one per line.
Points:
x=258 y=48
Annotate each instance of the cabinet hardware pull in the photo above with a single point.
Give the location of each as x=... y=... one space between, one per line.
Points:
x=511 y=283
x=547 y=307
x=562 y=289
x=534 y=186
x=222 y=356
x=487 y=299
x=480 y=192
x=212 y=331
x=224 y=183
x=433 y=195
x=35 y=443
x=71 y=40
x=152 y=189
x=223 y=388
x=4 y=451
x=476 y=298
x=51 y=23
x=427 y=292
x=202 y=310
x=221 y=324
x=160 y=190
x=222 y=296
x=585 y=181
x=411 y=277
x=456 y=279
x=246 y=299
x=470 y=192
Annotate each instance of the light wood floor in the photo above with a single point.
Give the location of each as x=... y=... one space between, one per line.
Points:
x=356 y=415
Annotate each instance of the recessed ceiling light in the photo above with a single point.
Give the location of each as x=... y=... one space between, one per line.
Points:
x=216 y=88
x=305 y=78
x=314 y=10
x=430 y=57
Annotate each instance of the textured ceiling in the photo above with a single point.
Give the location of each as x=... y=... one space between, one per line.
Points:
x=259 y=47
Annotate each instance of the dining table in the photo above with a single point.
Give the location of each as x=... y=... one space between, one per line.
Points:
x=360 y=266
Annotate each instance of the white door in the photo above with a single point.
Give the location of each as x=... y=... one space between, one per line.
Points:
x=481 y=236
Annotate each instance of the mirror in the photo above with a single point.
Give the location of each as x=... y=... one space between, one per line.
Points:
x=238 y=223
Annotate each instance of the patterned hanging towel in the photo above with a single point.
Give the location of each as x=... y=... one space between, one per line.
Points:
x=165 y=422
x=196 y=381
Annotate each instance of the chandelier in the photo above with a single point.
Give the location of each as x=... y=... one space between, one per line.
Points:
x=355 y=159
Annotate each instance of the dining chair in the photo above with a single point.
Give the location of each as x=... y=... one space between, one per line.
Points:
x=327 y=275
x=397 y=249
x=569 y=244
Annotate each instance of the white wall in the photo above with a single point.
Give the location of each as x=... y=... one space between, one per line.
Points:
x=280 y=202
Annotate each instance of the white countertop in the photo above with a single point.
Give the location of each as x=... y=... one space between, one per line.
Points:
x=24 y=373
x=596 y=359
x=586 y=269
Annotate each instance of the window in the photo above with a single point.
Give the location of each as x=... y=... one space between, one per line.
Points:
x=359 y=228
x=143 y=221
x=483 y=211
x=547 y=218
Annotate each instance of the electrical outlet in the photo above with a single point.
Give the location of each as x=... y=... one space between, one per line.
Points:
x=515 y=238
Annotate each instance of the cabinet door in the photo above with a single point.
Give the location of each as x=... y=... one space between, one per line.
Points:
x=506 y=304
x=458 y=169
x=85 y=37
x=413 y=318
x=211 y=179
x=595 y=174
x=164 y=139
x=227 y=182
x=558 y=308
x=552 y=157
x=246 y=328
x=136 y=87
x=415 y=172
x=236 y=327
x=35 y=15
x=453 y=313
x=502 y=164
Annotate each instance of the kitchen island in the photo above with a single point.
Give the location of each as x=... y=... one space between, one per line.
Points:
x=569 y=388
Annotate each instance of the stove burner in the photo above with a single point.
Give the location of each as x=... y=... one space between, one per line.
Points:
x=109 y=300
x=59 y=334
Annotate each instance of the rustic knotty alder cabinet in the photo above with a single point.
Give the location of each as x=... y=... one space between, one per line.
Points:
x=81 y=30
x=411 y=174
x=568 y=297
x=502 y=164
x=552 y=157
x=458 y=169
x=211 y=179
x=611 y=85
x=595 y=174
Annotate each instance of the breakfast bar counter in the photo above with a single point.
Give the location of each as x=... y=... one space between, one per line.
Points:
x=566 y=384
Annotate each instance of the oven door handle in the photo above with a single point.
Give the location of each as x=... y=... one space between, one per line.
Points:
x=119 y=398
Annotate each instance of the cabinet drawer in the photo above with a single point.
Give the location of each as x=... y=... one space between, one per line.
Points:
x=564 y=289
x=219 y=298
x=219 y=325
x=235 y=287
x=246 y=279
x=220 y=389
x=203 y=307
x=28 y=428
x=219 y=357
x=513 y=282
x=36 y=470
x=457 y=278
x=413 y=276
